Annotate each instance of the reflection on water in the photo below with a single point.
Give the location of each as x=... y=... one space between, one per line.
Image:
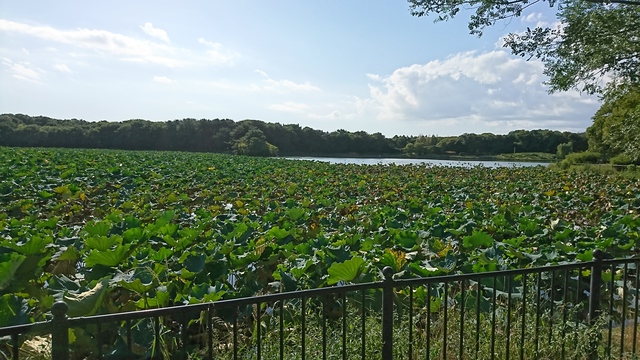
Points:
x=386 y=161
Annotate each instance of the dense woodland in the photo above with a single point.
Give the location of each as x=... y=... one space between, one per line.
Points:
x=253 y=137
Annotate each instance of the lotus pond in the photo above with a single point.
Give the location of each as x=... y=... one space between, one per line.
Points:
x=110 y=231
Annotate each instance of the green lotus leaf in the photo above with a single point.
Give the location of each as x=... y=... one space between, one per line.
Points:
x=88 y=302
x=9 y=264
x=100 y=228
x=109 y=258
x=34 y=245
x=195 y=263
x=345 y=271
x=477 y=239
x=14 y=310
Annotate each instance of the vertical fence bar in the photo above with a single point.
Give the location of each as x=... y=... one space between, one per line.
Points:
x=552 y=292
x=185 y=338
x=411 y=322
x=462 y=306
x=635 y=312
x=611 y=291
x=524 y=315
x=15 y=349
x=304 y=328
x=236 y=311
x=623 y=318
x=99 y=337
x=478 y=295
x=537 y=335
x=387 y=314
x=324 y=327
x=59 y=331
x=156 y=344
x=594 y=298
x=259 y=330
x=444 y=327
x=428 y=321
x=281 y=329
x=344 y=325
x=508 y=332
x=210 y=331
x=565 y=300
x=129 y=338
x=493 y=319
x=363 y=325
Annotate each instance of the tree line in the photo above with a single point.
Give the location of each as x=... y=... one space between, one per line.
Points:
x=255 y=137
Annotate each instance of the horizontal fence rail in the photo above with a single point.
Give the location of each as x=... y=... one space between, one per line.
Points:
x=577 y=310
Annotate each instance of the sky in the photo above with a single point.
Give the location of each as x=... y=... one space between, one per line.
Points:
x=355 y=65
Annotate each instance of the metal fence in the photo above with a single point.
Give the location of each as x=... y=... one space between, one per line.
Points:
x=578 y=310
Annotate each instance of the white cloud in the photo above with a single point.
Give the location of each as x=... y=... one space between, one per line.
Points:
x=22 y=72
x=62 y=68
x=374 y=77
x=162 y=80
x=332 y=115
x=155 y=32
x=468 y=88
x=218 y=54
x=289 y=106
x=102 y=41
x=125 y=48
x=535 y=18
x=288 y=85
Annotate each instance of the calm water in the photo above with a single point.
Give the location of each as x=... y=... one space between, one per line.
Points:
x=386 y=161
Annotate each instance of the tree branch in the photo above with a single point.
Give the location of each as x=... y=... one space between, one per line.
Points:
x=624 y=2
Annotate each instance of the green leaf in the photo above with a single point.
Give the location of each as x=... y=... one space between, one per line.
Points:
x=140 y=280
x=585 y=256
x=70 y=253
x=278 y=233
x=9 y=264
x=110 y=258
x=137 y=286
x=296 y=213
x=345 y=271
x=446 y=264
x=45 y=194
x=100 y=228
x=14 y=310
x=88 y=302
x=195 y=263
x=133 y=235
x=477 y=239
x=35 y=245
x=100 y=243
x=288 y=281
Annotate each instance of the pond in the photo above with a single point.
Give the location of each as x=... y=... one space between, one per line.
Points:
x=387 y=161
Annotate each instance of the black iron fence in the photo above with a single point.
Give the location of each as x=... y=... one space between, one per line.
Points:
x=578 y=310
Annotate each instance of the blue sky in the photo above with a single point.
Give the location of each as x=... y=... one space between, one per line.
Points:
x=354 y=65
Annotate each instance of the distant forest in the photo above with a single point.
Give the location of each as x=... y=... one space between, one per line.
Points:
x=254 y=137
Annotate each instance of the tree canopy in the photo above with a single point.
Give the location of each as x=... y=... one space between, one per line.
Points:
x=593 y=44
x=594 y=47
x=616 y=126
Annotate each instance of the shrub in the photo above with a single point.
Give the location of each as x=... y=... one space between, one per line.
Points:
x=586 y=157
x=564 y=150
x=621 y=160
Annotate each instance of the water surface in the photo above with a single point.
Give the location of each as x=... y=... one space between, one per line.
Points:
x=387 y=161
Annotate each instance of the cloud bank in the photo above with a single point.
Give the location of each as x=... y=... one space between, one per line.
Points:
x=493 y=88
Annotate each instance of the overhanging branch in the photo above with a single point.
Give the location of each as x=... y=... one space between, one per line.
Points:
x=624 y=2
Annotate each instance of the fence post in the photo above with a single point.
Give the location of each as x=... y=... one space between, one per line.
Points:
x=59 y=331
x=387 y=314
x=594 y=297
